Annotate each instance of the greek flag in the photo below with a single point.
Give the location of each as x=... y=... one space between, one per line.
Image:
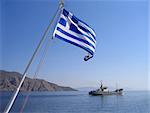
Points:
x=72 y=30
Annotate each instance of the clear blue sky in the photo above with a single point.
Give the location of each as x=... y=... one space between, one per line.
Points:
x=121 y=56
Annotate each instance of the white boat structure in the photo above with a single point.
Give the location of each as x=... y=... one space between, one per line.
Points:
x=103 y=90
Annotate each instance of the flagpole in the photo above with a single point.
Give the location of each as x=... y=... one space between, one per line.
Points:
x=10 y=104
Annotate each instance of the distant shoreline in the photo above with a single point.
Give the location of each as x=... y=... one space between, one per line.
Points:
x=10 y=80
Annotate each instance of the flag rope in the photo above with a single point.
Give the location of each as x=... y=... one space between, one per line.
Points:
x=13 y=98
x=36 y=74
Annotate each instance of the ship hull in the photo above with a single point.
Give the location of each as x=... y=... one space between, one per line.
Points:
x=96 y=93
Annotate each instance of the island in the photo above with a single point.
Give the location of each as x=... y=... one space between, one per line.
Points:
x=10 y=80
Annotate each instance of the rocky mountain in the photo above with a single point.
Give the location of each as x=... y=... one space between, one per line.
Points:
x=10 y=80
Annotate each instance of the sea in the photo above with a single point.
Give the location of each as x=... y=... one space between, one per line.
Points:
x=78 y=102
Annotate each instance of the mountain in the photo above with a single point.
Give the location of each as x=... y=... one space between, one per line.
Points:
x=10 y=80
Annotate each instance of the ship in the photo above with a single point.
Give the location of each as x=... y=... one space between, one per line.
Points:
x=103 y=90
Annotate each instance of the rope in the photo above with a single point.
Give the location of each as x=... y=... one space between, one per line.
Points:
x=13 y=98
x=40 y=63
x=36 y=74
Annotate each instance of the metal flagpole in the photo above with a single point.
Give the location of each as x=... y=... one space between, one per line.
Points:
x=10 y=104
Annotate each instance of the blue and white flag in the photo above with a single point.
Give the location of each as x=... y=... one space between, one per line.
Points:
x=70 y=29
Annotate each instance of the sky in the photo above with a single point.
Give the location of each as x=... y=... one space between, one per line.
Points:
x=121 y=56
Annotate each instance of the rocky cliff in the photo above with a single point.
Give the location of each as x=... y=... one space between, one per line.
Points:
x=10 y=80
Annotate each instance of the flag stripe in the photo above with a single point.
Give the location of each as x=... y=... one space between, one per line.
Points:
x=76 y=20
x=82 y=25
x=74 y=40
x=89 y=29
x=79 y=29
x=76 y=24
x=83 y=47
x=76 y=34
x=74 y=37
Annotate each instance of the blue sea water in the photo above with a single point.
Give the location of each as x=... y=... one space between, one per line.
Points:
x=79 y=102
